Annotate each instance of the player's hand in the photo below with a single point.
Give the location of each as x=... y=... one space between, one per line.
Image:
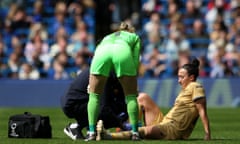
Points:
x=207 y=136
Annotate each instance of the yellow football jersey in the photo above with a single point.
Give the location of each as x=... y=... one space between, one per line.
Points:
x=179 y=122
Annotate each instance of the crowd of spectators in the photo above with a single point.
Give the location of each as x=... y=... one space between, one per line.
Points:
x=174 y=31
x=54 y=39
x=45 y=38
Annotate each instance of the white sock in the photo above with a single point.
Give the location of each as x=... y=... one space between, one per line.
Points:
x=136 y=133
x=91 y=133
x=74 y=125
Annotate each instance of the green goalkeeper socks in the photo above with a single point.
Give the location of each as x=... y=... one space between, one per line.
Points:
x=132 y=108
x=93 y=110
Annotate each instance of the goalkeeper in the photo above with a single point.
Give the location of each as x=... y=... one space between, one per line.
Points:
x=118 y=51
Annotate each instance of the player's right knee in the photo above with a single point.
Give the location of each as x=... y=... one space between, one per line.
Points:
x=142 y=98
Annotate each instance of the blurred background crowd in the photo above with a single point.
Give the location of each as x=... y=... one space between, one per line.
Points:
x=56 y=39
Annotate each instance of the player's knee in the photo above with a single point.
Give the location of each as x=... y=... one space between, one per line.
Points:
x=97 y=90
x=129 y=84
x=96 y=84
x=142 y=98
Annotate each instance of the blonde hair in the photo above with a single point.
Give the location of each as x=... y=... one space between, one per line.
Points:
x=126 y=27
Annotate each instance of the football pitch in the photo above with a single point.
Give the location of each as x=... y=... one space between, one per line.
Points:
x=225 y=128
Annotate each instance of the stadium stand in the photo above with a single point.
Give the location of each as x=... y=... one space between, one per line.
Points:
x=69 y=28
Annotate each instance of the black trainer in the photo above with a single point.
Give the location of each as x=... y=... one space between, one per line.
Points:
x=73 y=133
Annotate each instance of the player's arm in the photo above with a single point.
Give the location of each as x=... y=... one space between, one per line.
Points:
x=201 y=106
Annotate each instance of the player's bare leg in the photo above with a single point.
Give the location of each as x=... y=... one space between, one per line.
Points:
x=152 y=113
x=96 y=87
x=129 y=85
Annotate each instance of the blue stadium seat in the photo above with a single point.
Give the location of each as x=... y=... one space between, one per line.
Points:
x=22 y=31
x=199 y=40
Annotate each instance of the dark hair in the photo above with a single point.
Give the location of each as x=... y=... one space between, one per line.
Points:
x=192 y=68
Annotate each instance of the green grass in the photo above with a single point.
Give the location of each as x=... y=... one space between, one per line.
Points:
x=225 y=126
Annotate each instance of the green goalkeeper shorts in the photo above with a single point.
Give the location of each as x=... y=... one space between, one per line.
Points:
x=115 y=57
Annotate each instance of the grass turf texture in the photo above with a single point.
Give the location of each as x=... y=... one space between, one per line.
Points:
x=225 y=128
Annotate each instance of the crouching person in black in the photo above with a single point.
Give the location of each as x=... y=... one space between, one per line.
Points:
x=74 y=104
